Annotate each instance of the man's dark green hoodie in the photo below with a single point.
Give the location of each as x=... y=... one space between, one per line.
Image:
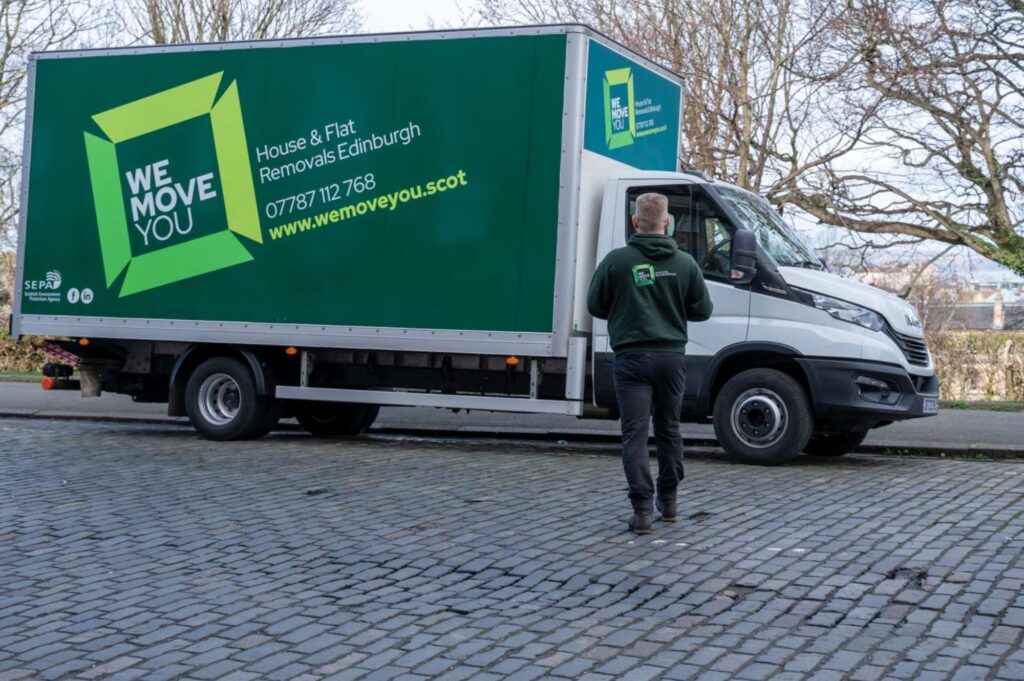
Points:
x=648 y=291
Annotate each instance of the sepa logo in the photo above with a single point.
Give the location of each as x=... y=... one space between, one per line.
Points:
x=148 y=224
x=619 y=108
x=52 y=282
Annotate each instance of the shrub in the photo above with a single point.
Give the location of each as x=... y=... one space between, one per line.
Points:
x=979 y=365
x=25 y=355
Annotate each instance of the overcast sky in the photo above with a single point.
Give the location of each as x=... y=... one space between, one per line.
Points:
x=408 y=15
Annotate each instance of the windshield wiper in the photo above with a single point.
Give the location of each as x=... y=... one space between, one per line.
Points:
x=810 y=265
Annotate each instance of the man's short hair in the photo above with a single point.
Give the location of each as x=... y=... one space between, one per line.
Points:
x=651 y=212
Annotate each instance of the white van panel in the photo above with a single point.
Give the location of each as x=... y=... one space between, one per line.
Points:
x=594 y=174
x=807 y=330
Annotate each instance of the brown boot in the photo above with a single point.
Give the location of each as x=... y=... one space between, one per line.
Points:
x=667 y=509
x=640 y=522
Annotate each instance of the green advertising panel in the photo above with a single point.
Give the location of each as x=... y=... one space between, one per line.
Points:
x=632 y=112
x=406 y=184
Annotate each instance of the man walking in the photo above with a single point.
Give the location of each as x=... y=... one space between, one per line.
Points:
x=648 y=291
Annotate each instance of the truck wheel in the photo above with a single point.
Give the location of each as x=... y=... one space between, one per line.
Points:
x=221 y=401
x=327 y=419
x=762 y=416
x=835 y=444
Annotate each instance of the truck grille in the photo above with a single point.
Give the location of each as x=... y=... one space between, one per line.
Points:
x=914 y=349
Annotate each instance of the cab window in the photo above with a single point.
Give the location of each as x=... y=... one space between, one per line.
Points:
x=715 y=236
x=680 y=209
x=696 y=224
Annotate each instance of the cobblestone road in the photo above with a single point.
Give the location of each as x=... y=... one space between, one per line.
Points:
x=139 y=552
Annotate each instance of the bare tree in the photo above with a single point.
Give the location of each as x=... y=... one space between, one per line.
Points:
x=6 y=280
x=26 y=26
x=748 y=115
x=752 y=114
x=943 y=157
x=889 y=117
x=194 y=21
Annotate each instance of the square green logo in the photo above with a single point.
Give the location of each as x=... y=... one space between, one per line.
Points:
x=619 y=108
x=164 y=213
x=643 y=275
x=172 y=186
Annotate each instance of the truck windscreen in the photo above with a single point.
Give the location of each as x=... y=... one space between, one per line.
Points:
x=775 y=236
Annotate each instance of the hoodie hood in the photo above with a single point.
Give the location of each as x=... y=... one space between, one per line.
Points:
x=654 y=246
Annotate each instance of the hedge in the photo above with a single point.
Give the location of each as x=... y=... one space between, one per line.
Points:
x=25 y=355
x=979 y=365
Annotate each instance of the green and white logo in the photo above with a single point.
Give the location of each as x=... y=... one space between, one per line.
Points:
x=619 y=108
x=184 y=159
x=632 y=112
x=643 y=275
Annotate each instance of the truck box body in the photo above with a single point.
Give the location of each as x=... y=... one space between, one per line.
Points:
x=405 y=192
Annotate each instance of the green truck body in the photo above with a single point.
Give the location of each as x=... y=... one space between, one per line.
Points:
x=317 y=227
x=392 y=192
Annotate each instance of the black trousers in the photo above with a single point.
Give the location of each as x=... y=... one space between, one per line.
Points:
x=646 y=384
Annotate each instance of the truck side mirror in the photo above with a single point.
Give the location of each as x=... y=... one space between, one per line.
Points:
x=744 y=257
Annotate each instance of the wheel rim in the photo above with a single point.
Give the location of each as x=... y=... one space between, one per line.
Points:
x=219 y=399
x=759 y=417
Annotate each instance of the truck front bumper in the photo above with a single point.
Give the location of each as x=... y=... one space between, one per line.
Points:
x=855 y=395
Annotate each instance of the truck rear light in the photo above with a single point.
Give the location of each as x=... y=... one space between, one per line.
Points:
x=48 y=383
x=291 y=352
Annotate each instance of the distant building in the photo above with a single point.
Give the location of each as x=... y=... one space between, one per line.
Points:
x=992 y=301
x=991 y=315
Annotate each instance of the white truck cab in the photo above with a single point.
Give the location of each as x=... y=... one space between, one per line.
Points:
x=794 y=358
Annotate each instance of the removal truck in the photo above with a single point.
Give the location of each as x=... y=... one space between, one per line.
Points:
x=318 y=227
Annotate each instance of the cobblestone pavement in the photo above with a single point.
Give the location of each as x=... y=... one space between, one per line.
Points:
x=140 y=552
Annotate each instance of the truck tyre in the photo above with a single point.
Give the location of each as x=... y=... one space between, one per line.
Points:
x=762 y=416
x=835 y=444
x=270 y=420
x=221 y=401
x=330 y=419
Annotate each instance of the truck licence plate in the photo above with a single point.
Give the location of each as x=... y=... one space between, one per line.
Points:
x=930 y=405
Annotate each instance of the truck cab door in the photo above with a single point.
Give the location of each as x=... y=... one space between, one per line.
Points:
x=703 y=231
x=731 y=318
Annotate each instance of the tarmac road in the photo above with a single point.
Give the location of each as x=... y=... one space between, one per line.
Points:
x=954 y=428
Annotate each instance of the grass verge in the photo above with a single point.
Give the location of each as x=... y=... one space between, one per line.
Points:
x=1016 y=407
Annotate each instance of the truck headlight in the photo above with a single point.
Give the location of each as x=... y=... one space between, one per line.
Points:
x=844 y=311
